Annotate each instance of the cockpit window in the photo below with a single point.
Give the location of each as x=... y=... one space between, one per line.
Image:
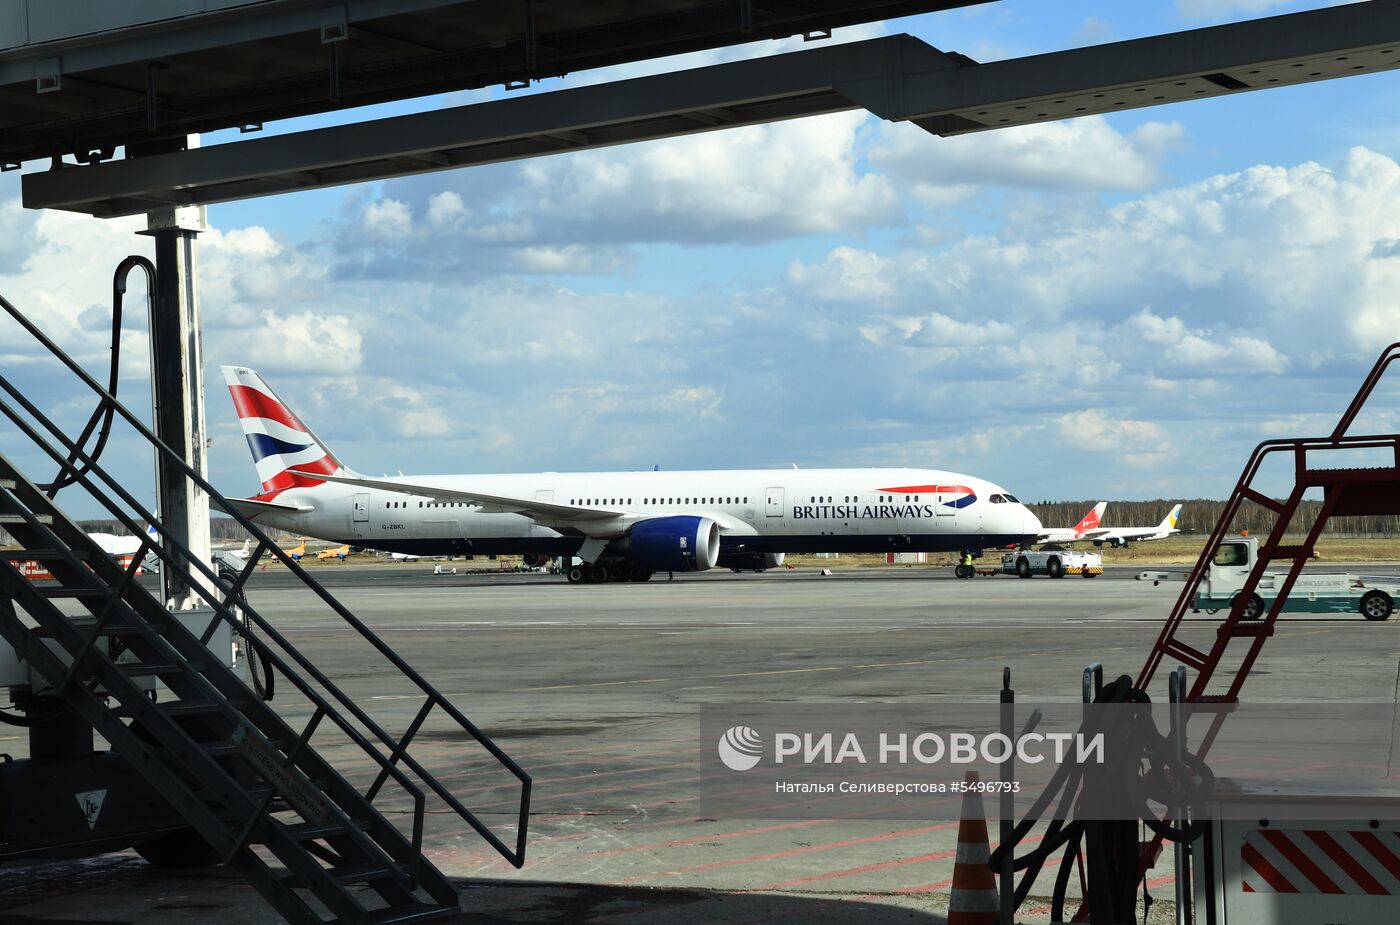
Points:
x=1012 y=499
x=997 y=499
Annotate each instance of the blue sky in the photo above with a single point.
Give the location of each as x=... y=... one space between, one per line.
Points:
x=1111 y=308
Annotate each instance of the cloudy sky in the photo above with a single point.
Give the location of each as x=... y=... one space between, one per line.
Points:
x=1108 y=308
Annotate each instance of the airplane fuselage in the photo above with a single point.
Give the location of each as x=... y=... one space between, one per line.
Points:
x=760 y=511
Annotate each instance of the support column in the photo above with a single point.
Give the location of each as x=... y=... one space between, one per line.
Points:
x=177 y=391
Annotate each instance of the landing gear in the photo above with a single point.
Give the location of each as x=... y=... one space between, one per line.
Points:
x=577 y=575
x=598 y=574
x=638 y=573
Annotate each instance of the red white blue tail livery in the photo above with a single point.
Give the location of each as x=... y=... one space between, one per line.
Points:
x=284 y=449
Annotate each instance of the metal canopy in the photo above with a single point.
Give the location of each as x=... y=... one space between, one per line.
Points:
x=82 y=78
x=897 y=78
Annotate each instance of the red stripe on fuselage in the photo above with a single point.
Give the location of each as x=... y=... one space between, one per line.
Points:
x=928 y=489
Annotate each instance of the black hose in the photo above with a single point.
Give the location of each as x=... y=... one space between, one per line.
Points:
x=1109 y=848
x=103 y=414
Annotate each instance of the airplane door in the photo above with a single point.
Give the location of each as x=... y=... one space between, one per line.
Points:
x=359 y=506
x=941 y=503
x=775 y=507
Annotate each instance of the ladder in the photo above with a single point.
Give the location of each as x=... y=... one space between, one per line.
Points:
x=253 y=786
x=1346 y=492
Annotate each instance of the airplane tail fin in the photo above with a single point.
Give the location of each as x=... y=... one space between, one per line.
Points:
x=1091 y=519
x=279 y=441
x=1169 y=522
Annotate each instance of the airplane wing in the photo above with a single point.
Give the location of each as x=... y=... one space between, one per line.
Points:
x=250 y=508
x=497 y=504
x=1067 y=535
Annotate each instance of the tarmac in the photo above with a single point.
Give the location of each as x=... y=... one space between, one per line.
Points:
x=595 y=691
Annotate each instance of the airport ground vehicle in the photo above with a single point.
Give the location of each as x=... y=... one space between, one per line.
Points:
x=1052 y=561
x=1373 y=596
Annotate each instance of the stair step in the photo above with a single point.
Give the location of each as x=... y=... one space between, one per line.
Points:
x=361 y=873
x=39 y=555
x=17 y=519
x=410 y=912
x=1290 y=552
x=138 y=669
x=1252 y=628
x=200 y=707
x=220 y=749
x=7 y=484
x=53 y=592
x=310 y=831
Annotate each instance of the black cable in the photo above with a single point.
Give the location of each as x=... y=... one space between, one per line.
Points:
x=105 y=411
x=1109 y=848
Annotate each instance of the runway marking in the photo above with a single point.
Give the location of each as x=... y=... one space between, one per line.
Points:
x=750 y=674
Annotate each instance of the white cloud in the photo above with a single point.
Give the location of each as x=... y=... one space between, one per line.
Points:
x=445 y=208
x=305 y=342
x=1139 y=443
x=845 y=274
x=388 y=218
x=1081 y=154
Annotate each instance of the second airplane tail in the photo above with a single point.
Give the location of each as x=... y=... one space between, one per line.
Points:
x=1169 y=522
x=280 y=443
x=1091 y=519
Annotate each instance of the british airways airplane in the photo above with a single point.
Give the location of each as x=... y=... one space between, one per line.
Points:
x=620 y=525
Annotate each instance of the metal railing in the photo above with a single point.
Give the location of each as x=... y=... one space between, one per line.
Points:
x=78 y=465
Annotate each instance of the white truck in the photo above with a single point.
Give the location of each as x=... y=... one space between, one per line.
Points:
x=1052 y=561
x=1372 y=596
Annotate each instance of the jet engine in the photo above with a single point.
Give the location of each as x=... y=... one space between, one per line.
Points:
x=535 y=560
x=1113 y=542
x=676 y=544
x=750 y=561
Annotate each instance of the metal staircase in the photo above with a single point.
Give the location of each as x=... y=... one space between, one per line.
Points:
x=1346 y=492
x=253 y=786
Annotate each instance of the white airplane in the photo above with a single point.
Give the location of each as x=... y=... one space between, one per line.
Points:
x=619 y=524
x=1077 y=532
x=1121 y=536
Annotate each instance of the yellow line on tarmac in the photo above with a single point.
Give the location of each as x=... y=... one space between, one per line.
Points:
x=748 y=674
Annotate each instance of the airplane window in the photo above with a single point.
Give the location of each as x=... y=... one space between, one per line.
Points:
x=997 y=499
x=916 y=497
x=1012 y=499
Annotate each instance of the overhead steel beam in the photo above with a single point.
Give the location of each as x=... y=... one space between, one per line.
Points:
x=898 y=78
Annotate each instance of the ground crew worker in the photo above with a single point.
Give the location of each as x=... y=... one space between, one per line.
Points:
x=968 y=570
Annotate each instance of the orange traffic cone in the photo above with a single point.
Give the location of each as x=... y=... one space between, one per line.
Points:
x=974 y=897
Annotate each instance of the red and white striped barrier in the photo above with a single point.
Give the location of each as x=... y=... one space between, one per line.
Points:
x=1341 y=863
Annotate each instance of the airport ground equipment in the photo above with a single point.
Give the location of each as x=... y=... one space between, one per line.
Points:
x=1372 y=596
x=1112 y=862
x=1264 y=862
x=1053 y=562
x=200 y=766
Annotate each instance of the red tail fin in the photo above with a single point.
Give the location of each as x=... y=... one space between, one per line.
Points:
x=1091 y=519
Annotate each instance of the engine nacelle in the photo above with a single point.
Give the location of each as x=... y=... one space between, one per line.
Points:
x=534 y=560
x=676 y=544
x=750 y=561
